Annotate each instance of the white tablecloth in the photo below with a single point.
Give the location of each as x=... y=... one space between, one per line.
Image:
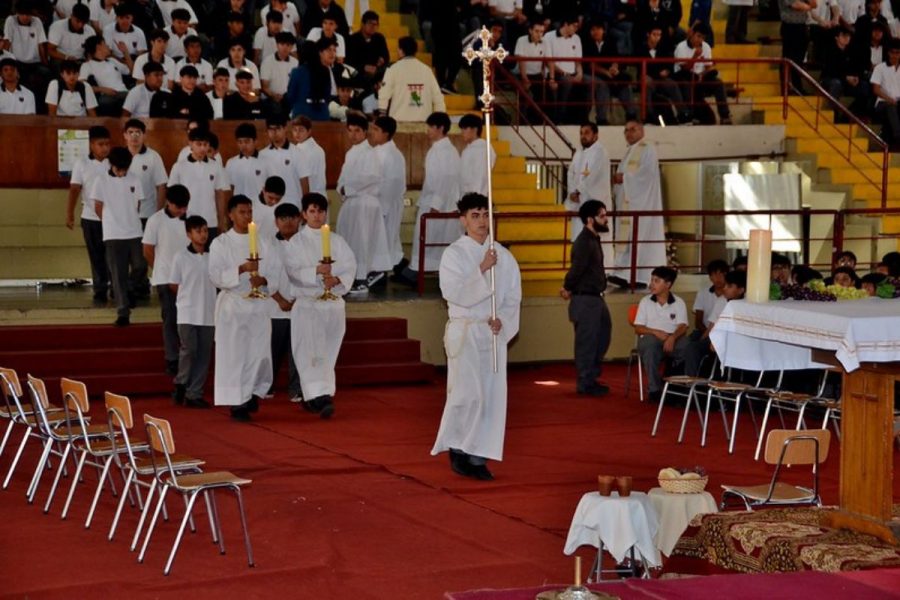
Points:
x=781 y=335
x=619 y=522
x=675 y=512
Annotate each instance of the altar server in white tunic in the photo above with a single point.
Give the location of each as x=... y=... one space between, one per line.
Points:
x=638 y=188
x=361 y=222
x=473 y=169
x=243 y=325
x=440 y=193
x=474 y=420
x=588 y=178
x=317 y=324
x=392 y=188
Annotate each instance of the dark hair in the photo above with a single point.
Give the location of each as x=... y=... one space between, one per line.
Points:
x=471 y=201
x=802 y=274
x=98 y=132
x=285 y=37
x=135 y=124
x=213 y=141
x=387 y=124
x=738 y=261
x=181 y=14
x=667 y=274
x=274 y=16
x=178 y=195
x=314 y=199
x=69 y=66
x=192 y=39
x=847 y=254
x=276 y=120
x=189 y=71
x=305 y=122
x=123 y=10
x=120 y=157
x=590 y=124
x=243 y=73
x=358 y=120
x=9 y=62
x=590 y=209
x=873 y=278
x=369 y=15
x=850 y=272
x=221 y=72
x=234 y=17
x=780 y=259
x=245 y=130
x=194 y=222
x=199 y=134
x=274 y=185
x=238 y=200
x=324 y=44
x=286 y=210
x=156 y=34
x=892 y=261
x=470 y=121
x=152 y=67
x=737 y=278
x=439 y=119
x=24 y=7
x=81 y=12
x=408 y=45
x=717 y=266
x=90 y=44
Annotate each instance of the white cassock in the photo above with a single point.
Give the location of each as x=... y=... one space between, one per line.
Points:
x=264 y=217
x=390 y=194
x=474 y=419
x=640 y=190
x=440 y=192
x=243 y=325
x=361 y=222
x=317 y=326
x=473 y=168
x=589 y=176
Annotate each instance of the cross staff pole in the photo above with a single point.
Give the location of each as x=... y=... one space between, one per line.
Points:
x=487 y=55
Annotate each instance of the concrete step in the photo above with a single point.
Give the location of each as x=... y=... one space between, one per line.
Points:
x=828 y=146
x=529 y=230
x=547 y=254
x=826 y=129
x=513 y=196
x=773 y=116
x=464 y=102
x=518 y=181
x=510 y=164
x=854 y=175
x=736 y=51
x=757 y=89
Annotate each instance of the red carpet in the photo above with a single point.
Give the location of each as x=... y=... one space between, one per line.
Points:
x=356 y=507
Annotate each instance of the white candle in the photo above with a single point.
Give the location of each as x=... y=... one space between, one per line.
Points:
x=326 y=241
x=759 y=266
x=577 y=571
x=251 y=229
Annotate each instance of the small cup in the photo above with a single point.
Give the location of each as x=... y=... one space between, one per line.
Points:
x=605 y=484
x=624 y=483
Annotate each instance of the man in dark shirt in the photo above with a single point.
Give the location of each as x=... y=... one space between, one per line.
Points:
x=583 y=287
x=606 y=78
x=662 y=89
x=187 y=100
x=367 y=50
x=840 y=72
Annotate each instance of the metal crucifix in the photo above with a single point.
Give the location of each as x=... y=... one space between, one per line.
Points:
x=487 y=55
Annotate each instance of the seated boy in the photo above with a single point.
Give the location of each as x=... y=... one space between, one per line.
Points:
x=735 y=286
x=661 y=323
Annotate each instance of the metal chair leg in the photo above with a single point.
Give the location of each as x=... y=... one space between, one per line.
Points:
x=75 y=481
x=59 y=472
x=147 y=504
x=6 y=435
x=12 y=467
x=240 y=501
x=640 y=377
x=662 y=401
x=210 y=514
x=762 y=430
x=218 y=524
x=98 y=491
x=737 y=412
x=162 y=498
x=121 y=504
x=38 y=471
x=189 y=506
x=705 y=418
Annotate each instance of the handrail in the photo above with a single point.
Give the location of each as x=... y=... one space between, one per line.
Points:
x=839 y=218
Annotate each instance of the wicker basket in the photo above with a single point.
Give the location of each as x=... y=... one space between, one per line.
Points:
x=683 y=486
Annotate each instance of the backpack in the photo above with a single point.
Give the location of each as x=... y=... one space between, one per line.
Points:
x=79 y=87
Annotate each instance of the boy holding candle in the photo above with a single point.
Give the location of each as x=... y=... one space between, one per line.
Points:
x=196 y=307
x=320 y=268
x=238 y=263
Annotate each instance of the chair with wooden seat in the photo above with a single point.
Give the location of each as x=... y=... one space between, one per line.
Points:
x=683 y=386
x=633 y=356
x=159 y=433
x=796 y=402
x=10 y=387
x=134 y=462
x=785 y=448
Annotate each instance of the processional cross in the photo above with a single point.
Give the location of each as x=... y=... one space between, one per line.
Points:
x=487 y=55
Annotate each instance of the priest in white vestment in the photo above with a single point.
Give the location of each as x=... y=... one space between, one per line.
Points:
x=393 y=183
x=473 y=165
x=588 y=179
x=361 y=222
x=474 y=421
x=317 y=324
x=638 y=188
x=440 y=193
x=243 y=328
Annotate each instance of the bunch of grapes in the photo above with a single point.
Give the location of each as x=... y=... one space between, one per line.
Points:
x=695 y=469
x=889 y=288
x=801 y=292
x=846 y=293
x=775 y=291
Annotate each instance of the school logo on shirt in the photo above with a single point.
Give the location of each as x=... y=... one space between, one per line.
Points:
x=287 y=161
x=258 y=172
x=212 y=177
x=21 y=99
x=144 y=167
x=672 y=316
x=134 y=44
x=132 y=189
x=31 y=34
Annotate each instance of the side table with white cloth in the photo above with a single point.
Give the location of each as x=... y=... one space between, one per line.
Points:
x=863 y=338
x=621 y=525
x=675 y=513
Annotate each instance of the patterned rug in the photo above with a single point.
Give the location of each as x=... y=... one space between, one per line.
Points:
x=781 y=540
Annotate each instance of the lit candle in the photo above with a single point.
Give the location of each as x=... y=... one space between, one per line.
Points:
x=326 y=241
x=251 y=229
x=577 y=571
x=759 y=266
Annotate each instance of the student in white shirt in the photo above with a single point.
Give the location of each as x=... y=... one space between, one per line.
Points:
x=157 y=53
x=83 y=174
x=329 y=30
x=706 y=297
x=163 y=241
x=205 y=180
x=220 y=89
x=103 y=12
x=276 y=68
x=147 y=165
x=735 y=283
x=68 y=97
x=116 y=195
x=269 y=198
x=291 y=20
x=235 y=62
x=661 y=322
x=885 y=82
x=167 y=7
x=564 y=76
x=24 y=33
x=195 y=308
x=532 y=45
x=193 y=49
x=65 y=39
x=137 y=102
x=179 y=30
x=311 y=154
x=264 y=43
x=123 y=37
x=246 y=172
x=14 y=99
x=281 y=159
x=700 y=78
x=104 y=75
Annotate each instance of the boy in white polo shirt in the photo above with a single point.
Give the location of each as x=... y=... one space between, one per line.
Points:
x=163 y=241
x=276 y=68
x=196 y=307
x=246 y=171
x=661 y=323
x=283 y=160
x=117 y=196
x=68 y=97
x=204 y=179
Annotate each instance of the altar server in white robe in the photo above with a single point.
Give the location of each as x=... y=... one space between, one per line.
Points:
x=361 y=222
x=589 y=179
x=638 y=188
x=243 y=326
x=317 y=324
x=392 y=188
x=474 y=421
x=473 y=168
x=440 y=193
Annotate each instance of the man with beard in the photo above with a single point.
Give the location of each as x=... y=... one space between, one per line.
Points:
x=584 y=287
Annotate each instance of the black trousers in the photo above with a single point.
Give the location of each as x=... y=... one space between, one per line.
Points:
x=281 y=347
x=169 y=321
x=593 y=332
x=96 y=249
x=126 y=267
x=794 y=42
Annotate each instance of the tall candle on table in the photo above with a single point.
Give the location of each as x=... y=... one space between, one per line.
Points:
x=759 y=266
x=254 y=250
x=326 y=241
x=577 y=571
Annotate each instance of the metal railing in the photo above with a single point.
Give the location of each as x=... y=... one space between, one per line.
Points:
x=838 y=237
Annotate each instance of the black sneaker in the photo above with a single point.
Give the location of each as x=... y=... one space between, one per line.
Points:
x=196 y=403
x=327 y=407
x=359 y=289
x=178 y=394
x=374 y=278
x=481 y=472
x=593 y=390
x=253 y=404
x=122 y=322
x=240 y=413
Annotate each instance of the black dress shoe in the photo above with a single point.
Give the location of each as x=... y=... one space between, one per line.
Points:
x=593 y=390
x=481 y=472
x=178 y=394
x=240 y=413
x=253 y=404
x=312 y=405
x=172 y=367
x=196 y=403
x=122 y=322
x=327 y=410
x=459 y=464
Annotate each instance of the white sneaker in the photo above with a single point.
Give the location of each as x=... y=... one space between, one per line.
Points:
x=297 y=399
